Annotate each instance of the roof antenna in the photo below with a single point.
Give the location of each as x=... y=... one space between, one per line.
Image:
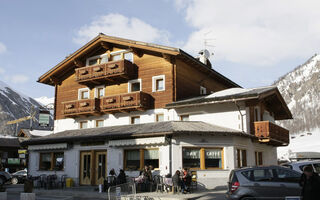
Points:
x=204 y=54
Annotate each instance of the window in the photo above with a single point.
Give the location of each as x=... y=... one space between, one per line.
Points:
x=184 y=117
x=99 y=123
x=258 y=158
x=202 y=158
x=241 y=158
x=128 y=56
x=158 y=83
x=203 y=90
x=52 y=161
x=84 y=93
x=151 y=157
x=259 y=174
x=284 y=175
x=136 y=159
x=115 y=57
x=99 y=92
x=83 y=124
x=135 y=120
x=134 y=85
x=256 y=115
x=95 y=60
x=159 y=117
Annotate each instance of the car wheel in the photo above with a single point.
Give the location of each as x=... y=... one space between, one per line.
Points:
x=14 y=180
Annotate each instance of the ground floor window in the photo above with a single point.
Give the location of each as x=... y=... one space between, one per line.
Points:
x=202 y=158
x=51 y=161
x=258 y=158
x=241 y=158
x=136 y=159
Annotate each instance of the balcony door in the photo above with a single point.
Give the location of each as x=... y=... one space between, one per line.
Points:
x=101 y=167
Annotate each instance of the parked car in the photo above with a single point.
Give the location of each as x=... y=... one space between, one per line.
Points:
x=299 y=165
x=4 y=177
x=267 y=182
x=19 y=177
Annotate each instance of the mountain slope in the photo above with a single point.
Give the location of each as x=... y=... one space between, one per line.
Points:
x=301 y=90
x=14 y=105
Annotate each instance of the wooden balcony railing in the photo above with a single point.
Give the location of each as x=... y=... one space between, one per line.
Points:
x=113 y=72
x=267 y=132
x=125 y=102
x=81 y=107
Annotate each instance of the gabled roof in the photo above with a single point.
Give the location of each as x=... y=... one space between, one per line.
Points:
x=136 y=131
x=239 y=94
x=102 y=39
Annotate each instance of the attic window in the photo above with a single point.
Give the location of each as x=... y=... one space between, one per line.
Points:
x=203 y=90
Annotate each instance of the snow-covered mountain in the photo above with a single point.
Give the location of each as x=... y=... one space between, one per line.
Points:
x=15 y=105
x=46 y=101
x=301 y=90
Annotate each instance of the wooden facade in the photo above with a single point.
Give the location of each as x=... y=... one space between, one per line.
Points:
x=182 y=79
x=267 y=132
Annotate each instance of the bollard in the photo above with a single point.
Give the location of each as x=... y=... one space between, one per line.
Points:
x=3 y=195
x=27 y=196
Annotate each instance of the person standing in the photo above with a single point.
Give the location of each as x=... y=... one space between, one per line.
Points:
x=310 y=183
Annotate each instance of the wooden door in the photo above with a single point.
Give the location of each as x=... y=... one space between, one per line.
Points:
x=85 y=168
x=101 y=166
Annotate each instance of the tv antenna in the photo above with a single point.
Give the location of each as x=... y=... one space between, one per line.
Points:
x=207 y=42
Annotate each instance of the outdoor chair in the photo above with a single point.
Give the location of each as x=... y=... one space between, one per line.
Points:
x=159 y=183
x=62 y=181
x=194 y=182
x=51 y=181
x=43 y=181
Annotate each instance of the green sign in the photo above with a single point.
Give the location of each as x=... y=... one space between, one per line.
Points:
x=13 y=161
x=44 y=119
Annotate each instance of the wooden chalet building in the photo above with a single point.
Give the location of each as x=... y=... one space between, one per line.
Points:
x=124 y=104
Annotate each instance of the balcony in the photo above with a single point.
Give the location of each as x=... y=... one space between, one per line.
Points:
x=111 y=72
x=81 y=107
x=270 y=133
x=125 y=102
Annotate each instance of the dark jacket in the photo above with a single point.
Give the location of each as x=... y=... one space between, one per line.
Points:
x=176 y=181
x=310 y=187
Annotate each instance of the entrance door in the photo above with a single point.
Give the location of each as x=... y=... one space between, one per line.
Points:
x=85 y=168
x=101 y=167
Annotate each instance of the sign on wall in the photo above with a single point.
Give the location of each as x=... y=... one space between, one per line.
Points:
x=44 y=118
x=13 y=161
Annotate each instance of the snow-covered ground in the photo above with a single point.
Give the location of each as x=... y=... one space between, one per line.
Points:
x=302 y=142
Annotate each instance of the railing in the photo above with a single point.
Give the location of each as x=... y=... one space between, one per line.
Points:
x=127 y=101
x=79 y=107
x=120 y=69
x=268 y=132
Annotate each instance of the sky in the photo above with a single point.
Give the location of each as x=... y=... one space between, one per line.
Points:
x=253 y=42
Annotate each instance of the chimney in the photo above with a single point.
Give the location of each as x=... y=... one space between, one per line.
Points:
x=204 y=57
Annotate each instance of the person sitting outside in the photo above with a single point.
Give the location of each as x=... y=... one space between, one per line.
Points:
x=121 y=179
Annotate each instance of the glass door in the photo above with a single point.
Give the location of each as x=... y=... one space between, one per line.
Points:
x=101 y=167
x=85 y=168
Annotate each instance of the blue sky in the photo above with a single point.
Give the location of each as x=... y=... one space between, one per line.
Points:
x=254 y=42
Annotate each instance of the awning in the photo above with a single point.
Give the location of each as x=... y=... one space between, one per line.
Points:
x=48 y=146
x=140 y=141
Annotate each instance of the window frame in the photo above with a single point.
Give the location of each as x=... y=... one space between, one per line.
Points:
x=154 y=83
x=132 y=117
x=238 y=158
x=157 y=115
x=52 y=162
x=96 y=123
x=134 y=81
x=80 y=93
x=257 y=158
x=202 y=158
x=183 y=115
x=98 y=57
x=80 y=124
x=141 y=154
x=96 y=91
x=203 y=89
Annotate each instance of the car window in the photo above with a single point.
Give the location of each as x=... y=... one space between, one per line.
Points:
x=316 y=167
x=285 y=175
x=258 y=174
x=302 y=166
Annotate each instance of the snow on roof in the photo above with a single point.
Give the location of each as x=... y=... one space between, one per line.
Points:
x=303 y=142
x=40 y=133
x=7 y=136
x=228 y=92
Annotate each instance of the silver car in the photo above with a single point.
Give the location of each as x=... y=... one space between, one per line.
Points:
x=274 y=182
x=299 y=165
